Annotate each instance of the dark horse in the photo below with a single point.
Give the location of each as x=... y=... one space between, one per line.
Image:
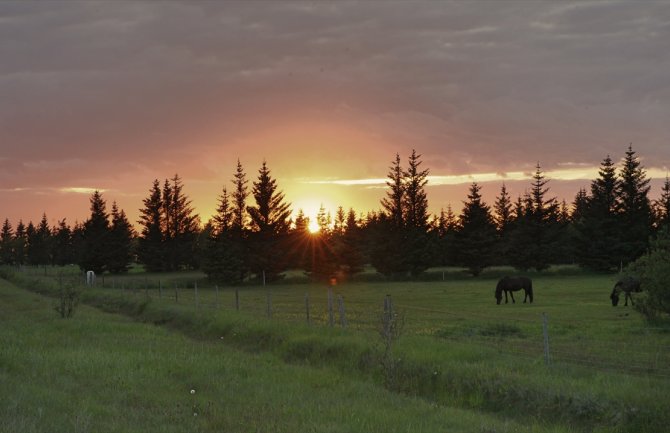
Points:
x=627 y=285
x=513 y=284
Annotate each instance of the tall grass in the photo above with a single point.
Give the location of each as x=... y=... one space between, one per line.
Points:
x=446 y=362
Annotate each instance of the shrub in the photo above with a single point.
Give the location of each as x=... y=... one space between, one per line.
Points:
x=653 y=270
x=67 y=302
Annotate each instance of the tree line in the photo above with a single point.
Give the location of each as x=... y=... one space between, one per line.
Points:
x=253 y=236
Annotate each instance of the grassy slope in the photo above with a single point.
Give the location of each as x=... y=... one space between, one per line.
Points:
x=486 y=356
x=102 y=372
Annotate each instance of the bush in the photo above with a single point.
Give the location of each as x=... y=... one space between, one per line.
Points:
x=67 y=303
x=653 y=270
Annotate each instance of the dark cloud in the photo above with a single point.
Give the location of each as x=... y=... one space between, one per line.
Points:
x=481 y=86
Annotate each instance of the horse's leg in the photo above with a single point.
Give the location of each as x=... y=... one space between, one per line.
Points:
x=512 y=295
x=505 y=292
x=628 y=296
x=525 y=295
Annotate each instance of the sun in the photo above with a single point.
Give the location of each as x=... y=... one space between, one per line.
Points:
x=313 y=226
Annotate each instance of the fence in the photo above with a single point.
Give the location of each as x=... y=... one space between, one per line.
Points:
x=540 y=339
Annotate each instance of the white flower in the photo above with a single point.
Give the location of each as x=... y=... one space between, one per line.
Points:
x=193 y=391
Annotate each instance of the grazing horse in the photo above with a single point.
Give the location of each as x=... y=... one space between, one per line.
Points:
x=627 y=285
x=513 y=284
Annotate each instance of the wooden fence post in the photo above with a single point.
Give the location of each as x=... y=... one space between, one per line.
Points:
x=343 y=317
x=331 y=320
x=197 y=301
x=545 y=332
x=307 y=306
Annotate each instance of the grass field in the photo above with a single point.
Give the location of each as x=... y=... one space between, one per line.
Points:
x=609 y=370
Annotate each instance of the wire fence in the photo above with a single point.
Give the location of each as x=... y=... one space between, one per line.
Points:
x=643 y=354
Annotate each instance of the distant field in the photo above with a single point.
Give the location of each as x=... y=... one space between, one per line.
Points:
x=608 y=371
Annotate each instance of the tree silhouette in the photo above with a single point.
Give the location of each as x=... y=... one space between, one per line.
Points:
x=6 y=244
x=269 y=227
x=120 y=242
x=635 y=208
x=150 y=243
x=95 y=242
x=475 y=238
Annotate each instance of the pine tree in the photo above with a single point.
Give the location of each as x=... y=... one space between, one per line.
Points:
x=20 y=244
x=476 y=236
x=350 y=254
x=663 y=206
x=635 y=208
x=32 y=244
x=181 y=226
x=120 y=242
x=598 y=240
x=6 y=244
x=222 y=261
x=395 y=196
x=239 y=197
x=579 y=205
x=269 y=226
x=95 y=252
x=502 y=217
x=63 y=252
x=415 y=210
x=535 y=238
x=150 y=243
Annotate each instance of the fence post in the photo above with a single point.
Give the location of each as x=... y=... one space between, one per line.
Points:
x=307 y=306
x=269 y=304
x=388 y=315
x=237 y=299
x=217 y=296
x=343 y=317
x=331 y=320
x=197 y=301
x=545 y=332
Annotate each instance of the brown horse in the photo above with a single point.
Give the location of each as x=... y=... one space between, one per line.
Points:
x=513 y=284
x=627 y=285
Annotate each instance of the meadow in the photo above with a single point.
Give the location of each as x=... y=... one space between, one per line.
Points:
x=458 y=351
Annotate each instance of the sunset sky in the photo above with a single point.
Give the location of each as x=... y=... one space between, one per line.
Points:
x=112 y=95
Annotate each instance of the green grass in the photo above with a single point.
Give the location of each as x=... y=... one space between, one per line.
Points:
x=609 y=369
x=103 y=372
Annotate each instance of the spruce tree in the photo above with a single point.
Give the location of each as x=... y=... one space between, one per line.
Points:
x=663 y=206
x=598 y=241
x=350 y=253
x=475 y=238
x=182 y=226
x=120 y=242
x=634 y=208
x=32 y=244
x=150 y=242
x=240 y=232
x=63 y=253
x=537 y=231
x=20 y=244
x=502 y=216
x=270 y=223
x=395 y=196
x=415 y=210
x=6 y=244
x=95 y=242
x=222 y=262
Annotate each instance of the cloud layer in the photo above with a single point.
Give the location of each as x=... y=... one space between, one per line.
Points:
x=111 y=95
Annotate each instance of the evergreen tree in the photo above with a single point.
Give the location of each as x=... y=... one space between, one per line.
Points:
x=95 y=242
x=240 y=232
x=63 y=253
x=181 y=226
x=417 y=246
x=269 y=227
x=395 y=196
x=20 y=244
x=120 y=242
x=350 y=253
x=223 y=261
x=635 y=208
x=663 y=206
x=579 y=206
x=150 y=242
x=39 y=251
x=476 y=236
x=598 y=238
x=32 y=244
x=6 y=244
x=323 y=261
x=502 y=216
x=535 y=238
